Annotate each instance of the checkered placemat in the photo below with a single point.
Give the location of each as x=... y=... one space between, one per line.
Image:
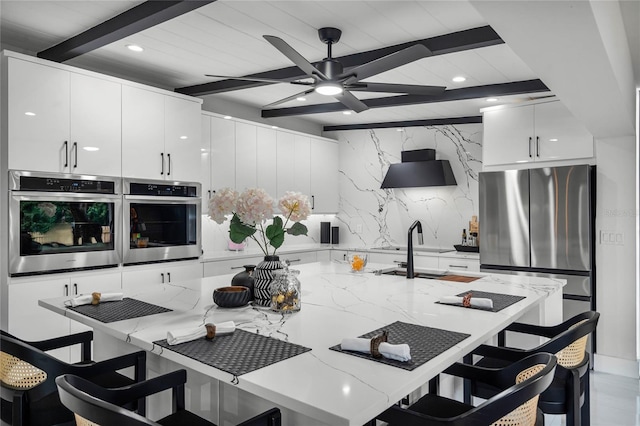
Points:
x=120 y=310
x=425 y=343
x=237 y=353
x=500 y=301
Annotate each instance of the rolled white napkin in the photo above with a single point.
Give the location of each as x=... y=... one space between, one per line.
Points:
x=86 y=299
x=476 y=302
x=400 y=352
x=192 y=333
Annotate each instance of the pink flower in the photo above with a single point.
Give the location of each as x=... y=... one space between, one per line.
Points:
x=222 y=203
x=254 y=205
x=295 y=206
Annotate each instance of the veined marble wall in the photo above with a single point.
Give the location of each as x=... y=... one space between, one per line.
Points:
x=372 y=217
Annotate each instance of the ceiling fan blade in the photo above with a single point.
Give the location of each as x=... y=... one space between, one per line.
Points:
x=410 y=89
x=261 y=80
x=287 y=99
x=386 y=63
x=347 y=99
x=294 y=56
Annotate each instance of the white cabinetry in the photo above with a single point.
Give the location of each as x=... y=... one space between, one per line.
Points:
x=286 y=156
x=217 y=156
x=301 y=165
x=544 y=131
x=267 y=165
x=29 y=321
x=61 y=121
x=230 y=266
x=324 y=176
x=160 y=135
x=135 y=278
x=246 y=156
x=459 y=264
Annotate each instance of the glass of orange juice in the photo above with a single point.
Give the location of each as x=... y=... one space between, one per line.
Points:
x=358 y=262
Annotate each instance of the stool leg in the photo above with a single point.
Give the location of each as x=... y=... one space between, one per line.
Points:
x=466 y=383
x=586 y=406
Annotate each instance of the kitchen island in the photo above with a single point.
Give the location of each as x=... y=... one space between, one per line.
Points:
x=320 y=386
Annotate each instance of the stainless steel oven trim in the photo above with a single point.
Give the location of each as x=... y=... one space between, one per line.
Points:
x=14 y=179
x=159 y=254
x=22 y=265
x=126 y=184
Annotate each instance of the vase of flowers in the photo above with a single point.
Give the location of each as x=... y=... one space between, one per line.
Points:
x=250 y=213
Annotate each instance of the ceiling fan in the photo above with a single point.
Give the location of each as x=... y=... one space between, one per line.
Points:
x=330 y=78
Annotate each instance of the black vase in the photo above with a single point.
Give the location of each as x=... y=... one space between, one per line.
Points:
x=245 y=278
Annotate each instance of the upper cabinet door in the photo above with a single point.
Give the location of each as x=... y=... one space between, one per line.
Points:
x=95 y=144
x=142 y=133
x=559 y=135
x=267 y=158
x=205 y=161
x=246 y=159
x=324 y=176
x=182 y=128
x=285 y=173
x=301 y=163
x=223 y=154
x=508 y=136
x=38 y=117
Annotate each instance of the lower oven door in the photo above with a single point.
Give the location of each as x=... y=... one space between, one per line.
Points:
x=161 y=228
x=50 y=232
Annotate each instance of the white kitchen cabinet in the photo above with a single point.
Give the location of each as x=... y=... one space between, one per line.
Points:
x=160 y=136
x=267 y=160
x=537 y=132
x=324 y=176
x=181 y=138
x=459 y=264
x=302 y=165
x=61 y=121
x=299 y=258
x=217 y=156
x=136 y=278
x=229 y=266
x=29 y=321
x=246 y=156
x=205 y=160
x=286 y=157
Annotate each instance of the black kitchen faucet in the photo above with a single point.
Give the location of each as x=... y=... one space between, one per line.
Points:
x=415 y=224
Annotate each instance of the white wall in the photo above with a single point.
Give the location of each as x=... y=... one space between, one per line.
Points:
x=370 y=216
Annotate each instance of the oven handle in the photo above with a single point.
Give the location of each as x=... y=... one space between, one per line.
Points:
x=65 y=196
x=168 y=200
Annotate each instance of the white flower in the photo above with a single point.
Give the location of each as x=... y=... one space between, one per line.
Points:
x=295 y=206
x=222 y=203
x=254 y=205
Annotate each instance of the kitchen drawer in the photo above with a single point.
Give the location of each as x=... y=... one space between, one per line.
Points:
x=300 y=257
x=233 y=266
x=453 y=264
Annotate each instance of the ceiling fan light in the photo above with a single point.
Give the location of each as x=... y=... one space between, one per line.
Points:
x=328 y=89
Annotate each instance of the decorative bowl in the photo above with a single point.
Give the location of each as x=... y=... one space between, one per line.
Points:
x=231 y=297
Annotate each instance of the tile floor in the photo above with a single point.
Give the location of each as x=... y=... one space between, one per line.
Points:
x=615 y=401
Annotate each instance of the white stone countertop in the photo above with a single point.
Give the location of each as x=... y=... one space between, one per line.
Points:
x=331 y=387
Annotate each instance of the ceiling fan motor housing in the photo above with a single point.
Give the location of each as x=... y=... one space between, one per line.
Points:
x=330 y=67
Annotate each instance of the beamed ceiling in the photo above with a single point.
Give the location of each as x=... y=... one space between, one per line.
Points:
x=184 y=40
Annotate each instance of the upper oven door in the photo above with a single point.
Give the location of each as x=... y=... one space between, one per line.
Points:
x=61 y=231
x=161 y=228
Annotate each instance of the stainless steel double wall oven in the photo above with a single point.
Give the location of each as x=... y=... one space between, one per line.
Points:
x=60 y=222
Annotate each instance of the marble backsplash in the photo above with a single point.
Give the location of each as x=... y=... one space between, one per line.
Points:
x=371 y=217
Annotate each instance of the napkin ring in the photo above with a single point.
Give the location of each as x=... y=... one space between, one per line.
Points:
x=95 y=298
x=375 y=344
x=466 y=300
x=211 y=331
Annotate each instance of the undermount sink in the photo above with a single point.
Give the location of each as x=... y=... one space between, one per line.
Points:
x=415 y=249
x=403 y=273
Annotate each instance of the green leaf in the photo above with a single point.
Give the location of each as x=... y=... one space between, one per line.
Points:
x=297 y=229
x=238 y=231
x=275 y=232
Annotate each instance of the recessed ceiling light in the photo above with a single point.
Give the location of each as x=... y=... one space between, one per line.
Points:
x=135 y=48
x=274 y=127
x=91 y=148
x=184 y=137
x=491 y=99
x=227 y=117
x=553 y=140
x=328 y=88
x=399 y=130
x=458 y=79
x=29 y=113
x=301 y=98
x=346 y=112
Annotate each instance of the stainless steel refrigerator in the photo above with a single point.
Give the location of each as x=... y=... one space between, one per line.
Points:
x=541 y=222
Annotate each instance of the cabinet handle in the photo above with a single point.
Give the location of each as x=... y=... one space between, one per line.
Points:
x=162 y=275
x=162 y=161
x=169 y=276
x=530 y=140
x=66 y=154
x=293 y=260
x=209 y=191
x=75 y=289
x=75 y=148
x=537 y=146
x=169 y=162
x=459 y=266
x=237 y=267
x=66 y=289
x=313 y=202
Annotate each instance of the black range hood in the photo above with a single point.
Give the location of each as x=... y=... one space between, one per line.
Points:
x=419 y=168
